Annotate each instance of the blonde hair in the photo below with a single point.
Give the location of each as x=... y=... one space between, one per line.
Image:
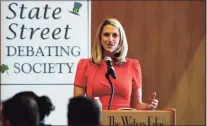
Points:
x=121 y=51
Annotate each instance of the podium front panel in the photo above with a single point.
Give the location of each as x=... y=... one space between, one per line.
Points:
x=137 y=118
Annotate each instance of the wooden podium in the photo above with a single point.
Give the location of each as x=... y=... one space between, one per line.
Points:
x=162 y=117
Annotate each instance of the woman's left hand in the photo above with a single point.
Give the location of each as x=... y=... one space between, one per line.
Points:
x=153 y=102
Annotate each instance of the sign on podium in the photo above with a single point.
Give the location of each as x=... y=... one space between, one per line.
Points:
x=139 y=117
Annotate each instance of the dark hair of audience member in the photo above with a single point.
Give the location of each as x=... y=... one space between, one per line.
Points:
x=83 y=111
x=20 y=111
x=44 y=103
x=1 y=117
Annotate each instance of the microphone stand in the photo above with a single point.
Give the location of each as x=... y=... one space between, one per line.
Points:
x=112 y=90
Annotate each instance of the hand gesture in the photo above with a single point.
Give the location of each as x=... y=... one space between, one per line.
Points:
x=153 y=102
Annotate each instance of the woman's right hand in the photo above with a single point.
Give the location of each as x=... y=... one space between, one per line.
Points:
x=79 y=91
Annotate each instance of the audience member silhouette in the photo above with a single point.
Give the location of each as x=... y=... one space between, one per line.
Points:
x=83 y=111
x=44 y=103
x=20 y=111
x=1 y=106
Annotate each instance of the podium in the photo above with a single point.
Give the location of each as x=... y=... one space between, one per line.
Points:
x=162 y=117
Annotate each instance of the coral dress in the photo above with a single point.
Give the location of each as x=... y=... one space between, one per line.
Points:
x=92 y=76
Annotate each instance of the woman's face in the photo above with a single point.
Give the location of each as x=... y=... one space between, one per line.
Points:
x=110 y=38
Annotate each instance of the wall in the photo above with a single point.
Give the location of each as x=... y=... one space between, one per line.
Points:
x=168 y=39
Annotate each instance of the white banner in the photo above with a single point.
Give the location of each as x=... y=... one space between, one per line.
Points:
x=41 y=44
x=42 y=41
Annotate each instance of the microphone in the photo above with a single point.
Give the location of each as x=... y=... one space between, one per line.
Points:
x=111 y=72
x=110 y=68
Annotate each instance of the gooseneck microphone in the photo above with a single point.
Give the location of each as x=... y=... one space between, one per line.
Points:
x=110 y=68
x=110 y=71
